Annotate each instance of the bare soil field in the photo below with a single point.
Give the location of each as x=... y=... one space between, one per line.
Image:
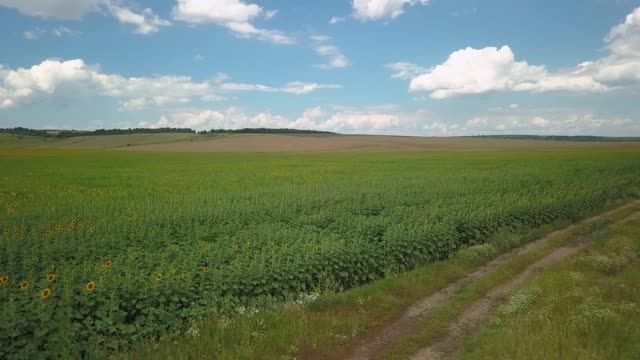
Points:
x=313 y=143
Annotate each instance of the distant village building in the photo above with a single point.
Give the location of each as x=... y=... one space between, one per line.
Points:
x=53 y=132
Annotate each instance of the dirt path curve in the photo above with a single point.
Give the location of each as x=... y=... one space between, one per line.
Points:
x=412 y=318
x=477 y=314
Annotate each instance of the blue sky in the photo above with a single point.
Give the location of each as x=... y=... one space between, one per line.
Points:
x=411 y=67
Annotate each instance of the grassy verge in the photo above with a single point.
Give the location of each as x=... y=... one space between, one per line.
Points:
x=437 y=324
x=587 y=307
x=322 y=326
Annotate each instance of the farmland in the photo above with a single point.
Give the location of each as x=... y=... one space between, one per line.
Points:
x=101 y=250
x=300 y=143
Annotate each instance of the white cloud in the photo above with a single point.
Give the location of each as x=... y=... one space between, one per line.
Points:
x=296 y=87
x=362 y=120
x=549 y=122
x=624 y=39
x=336 y=19
x=56 y=77
x=270 y=14
x=231 y=118
x=477 y=71
x=221 y=78
x=141 y=103
x=31 y=34
x=62 y=9
x=378 y=9
x=372 y=120
x=406 y=70
x=59 y=31
x=146 y=22
x=234 y=15
x=335 y=58
x=471 y=71
x=540 y=121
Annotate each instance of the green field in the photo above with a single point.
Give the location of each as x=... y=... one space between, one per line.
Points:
x=167 y=238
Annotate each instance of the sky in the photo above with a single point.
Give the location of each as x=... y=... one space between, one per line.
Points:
x=405 y=67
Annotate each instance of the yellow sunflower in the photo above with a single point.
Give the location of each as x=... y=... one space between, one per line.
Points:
x=108 y=264
x=91 y=286
x=205 y=269
x=51 y=277
x=45 y=293
x=158 y=277
x=24 y=285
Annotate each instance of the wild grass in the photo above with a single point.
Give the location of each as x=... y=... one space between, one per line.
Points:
x=586 y=307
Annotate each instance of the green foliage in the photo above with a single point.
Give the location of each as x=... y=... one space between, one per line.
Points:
x=169 y=238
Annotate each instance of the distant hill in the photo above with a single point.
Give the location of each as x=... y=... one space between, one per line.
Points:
x=556 y=137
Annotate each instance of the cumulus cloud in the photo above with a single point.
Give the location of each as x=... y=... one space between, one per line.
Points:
x=624 y=39
x=62 y=9
x=379 y=9
x=373 y=120
x=335 y=58
x=53 y=77
x=231 y=118
x=549 y=122
x=472 y=71
x=477 y=71
x=235 y=15
x=146 y=22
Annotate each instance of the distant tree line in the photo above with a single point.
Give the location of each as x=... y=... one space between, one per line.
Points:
x=71 y=133
x=557 y=137
x=263 y=131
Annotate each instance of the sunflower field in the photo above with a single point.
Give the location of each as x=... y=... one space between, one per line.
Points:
x=101 y=250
